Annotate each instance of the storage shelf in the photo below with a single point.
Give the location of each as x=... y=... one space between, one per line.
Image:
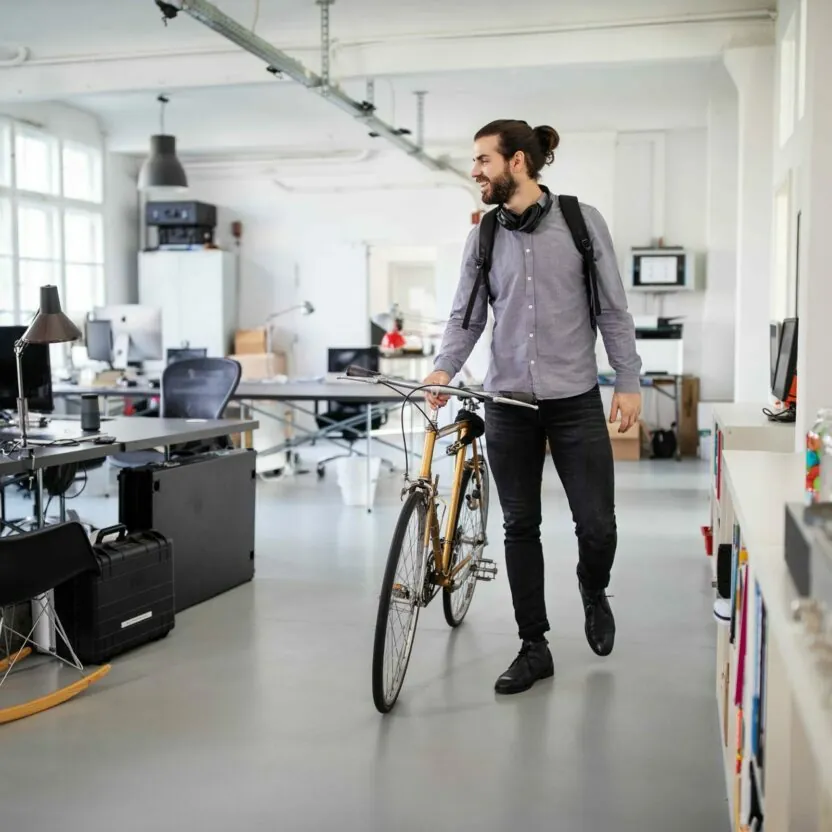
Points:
x=761 y=484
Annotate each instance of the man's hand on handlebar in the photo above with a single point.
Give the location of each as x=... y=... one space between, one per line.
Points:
x=438 y=377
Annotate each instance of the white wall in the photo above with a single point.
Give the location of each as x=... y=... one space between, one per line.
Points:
x=806 y=154
x=313 y=247
x=660 y=192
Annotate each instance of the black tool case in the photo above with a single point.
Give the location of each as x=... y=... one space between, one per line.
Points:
x=129 y=603
x=205 y=505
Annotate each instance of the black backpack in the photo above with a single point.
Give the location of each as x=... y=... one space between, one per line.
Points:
x=571 y=210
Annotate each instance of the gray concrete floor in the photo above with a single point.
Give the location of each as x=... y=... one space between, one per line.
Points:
x=256 y=712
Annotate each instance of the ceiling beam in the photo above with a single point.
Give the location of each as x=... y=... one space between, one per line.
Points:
x=57 y=78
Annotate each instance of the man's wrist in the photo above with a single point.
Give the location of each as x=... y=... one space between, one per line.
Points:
x=445 y=366
x=627 y=383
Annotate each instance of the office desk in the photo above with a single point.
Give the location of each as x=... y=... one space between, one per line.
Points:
x=11 y=465
x=132 y=434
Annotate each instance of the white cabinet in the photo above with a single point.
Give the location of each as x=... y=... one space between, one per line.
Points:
x=197 y=293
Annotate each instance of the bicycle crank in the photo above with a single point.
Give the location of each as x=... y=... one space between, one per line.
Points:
x=485 y=570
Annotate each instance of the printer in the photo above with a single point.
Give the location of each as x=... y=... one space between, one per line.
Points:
x=658 y=342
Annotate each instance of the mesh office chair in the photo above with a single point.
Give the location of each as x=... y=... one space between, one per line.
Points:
x=196 y=388
x=353 y=418
x=31 y=564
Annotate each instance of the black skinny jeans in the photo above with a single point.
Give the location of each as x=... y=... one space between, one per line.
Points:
x=581 y=449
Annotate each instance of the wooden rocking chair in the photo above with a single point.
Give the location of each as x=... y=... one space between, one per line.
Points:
x=31 y=564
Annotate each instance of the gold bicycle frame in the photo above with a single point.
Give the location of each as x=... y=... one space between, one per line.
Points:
x=444 y=575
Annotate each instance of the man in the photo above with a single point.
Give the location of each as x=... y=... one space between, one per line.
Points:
x=543 y=350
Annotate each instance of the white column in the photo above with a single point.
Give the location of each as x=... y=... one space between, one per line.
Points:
x=720 y=301
x=814 y=357
x=752 y=69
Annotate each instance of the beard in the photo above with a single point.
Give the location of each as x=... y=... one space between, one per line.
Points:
x=498 y=190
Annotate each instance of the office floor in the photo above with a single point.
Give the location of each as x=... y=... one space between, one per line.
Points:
x=256 y=714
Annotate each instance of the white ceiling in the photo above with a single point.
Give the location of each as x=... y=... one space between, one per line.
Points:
x=284 y=116
x=83 y=52
x=51 y=28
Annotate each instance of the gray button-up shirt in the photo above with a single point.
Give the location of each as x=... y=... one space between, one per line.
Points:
x=543 y=342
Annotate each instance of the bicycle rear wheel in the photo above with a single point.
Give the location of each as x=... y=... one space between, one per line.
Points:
x=402 y=590
x=469 y=541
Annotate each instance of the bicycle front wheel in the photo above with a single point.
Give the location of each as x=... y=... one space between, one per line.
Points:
x=402 y=592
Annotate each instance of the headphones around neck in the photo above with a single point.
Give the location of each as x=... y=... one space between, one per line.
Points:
x=530 y=219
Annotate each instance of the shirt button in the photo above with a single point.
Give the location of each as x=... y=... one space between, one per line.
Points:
x=531 y=306
x=529 y=278
x=528 y=251
x=531 y=335
x=532 y=361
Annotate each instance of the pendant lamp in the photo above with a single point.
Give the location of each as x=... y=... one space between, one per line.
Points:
x=162 y=169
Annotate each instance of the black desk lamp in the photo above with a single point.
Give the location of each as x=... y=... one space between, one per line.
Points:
x=50 y=326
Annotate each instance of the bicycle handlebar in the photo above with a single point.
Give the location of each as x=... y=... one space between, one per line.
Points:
x=355 y=373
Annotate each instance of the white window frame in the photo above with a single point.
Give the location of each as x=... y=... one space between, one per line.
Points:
x=16 y=195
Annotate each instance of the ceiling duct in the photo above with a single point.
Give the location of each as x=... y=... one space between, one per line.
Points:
x=279 y=63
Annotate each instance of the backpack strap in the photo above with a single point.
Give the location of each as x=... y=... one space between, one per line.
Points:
x=487 y=232
x=571 y=210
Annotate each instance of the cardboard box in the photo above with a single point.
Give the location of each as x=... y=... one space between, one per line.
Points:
x=264 y=365
x=626 y=447
x=250 y=341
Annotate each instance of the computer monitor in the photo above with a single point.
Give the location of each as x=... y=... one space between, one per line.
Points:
x=786 y=362
x=377 y=334
x=175 y=354
x=137 y=332
x=339 y=358
x=774 y=346
x=37 y=372
x=99 y=338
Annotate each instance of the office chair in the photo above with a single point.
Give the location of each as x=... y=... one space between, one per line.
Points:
x=31 y=564
x=195 y=388
x=355 y=428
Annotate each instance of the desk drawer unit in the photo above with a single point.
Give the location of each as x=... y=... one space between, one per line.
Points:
x=205 y=506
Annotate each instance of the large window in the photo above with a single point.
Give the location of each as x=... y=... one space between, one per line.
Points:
x=51 y=222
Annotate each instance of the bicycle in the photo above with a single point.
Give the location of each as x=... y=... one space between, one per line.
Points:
x=421 y=561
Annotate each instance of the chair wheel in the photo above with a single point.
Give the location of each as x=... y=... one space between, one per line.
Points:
x=320 y=471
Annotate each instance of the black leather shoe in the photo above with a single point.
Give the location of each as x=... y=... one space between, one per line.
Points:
x=600 y=624
x=533 y=662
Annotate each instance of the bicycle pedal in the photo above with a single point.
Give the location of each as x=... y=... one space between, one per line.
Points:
x=485 y=570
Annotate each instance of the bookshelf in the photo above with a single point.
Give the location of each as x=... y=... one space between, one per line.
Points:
x=785 y=711
x=739 y=427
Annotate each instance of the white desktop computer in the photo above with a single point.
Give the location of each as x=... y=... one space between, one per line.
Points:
x=135 y=333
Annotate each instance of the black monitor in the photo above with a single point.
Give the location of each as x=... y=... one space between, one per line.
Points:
x=99 y=338
x=786 y=361
x=37 y=372
x=774 y=346
x=377 y=334
x=338 y=359
x=175 y=354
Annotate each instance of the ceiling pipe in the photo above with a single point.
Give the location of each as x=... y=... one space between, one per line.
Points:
x=279 y=63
